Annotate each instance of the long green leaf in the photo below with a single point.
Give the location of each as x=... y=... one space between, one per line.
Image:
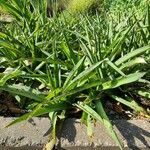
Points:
x=9 y=75
x=138 y=60
x=41 y=111
x=144 y=94
x=24 y=91
x=85 y=73
x=89 y=111
x=132 y=54
x=130 y=103
x=74 y=70
x=122 y=80
x=107 y=124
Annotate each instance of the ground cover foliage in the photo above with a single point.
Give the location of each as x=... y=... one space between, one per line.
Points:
x=56 y=60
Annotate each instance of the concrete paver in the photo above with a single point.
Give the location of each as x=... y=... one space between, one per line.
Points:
x=33 y=134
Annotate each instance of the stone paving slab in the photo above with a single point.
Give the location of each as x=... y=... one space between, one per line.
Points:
x=33 y=134
x=134 y=134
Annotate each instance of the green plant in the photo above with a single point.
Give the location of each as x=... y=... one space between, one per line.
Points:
x=61 y=65
x=78 y=6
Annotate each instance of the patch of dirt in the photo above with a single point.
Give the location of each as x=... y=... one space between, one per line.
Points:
x=9 y=106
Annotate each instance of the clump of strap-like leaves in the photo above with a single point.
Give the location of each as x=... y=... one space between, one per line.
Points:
x=60 y=65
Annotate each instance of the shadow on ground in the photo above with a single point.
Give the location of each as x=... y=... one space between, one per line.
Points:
x=133 y=134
